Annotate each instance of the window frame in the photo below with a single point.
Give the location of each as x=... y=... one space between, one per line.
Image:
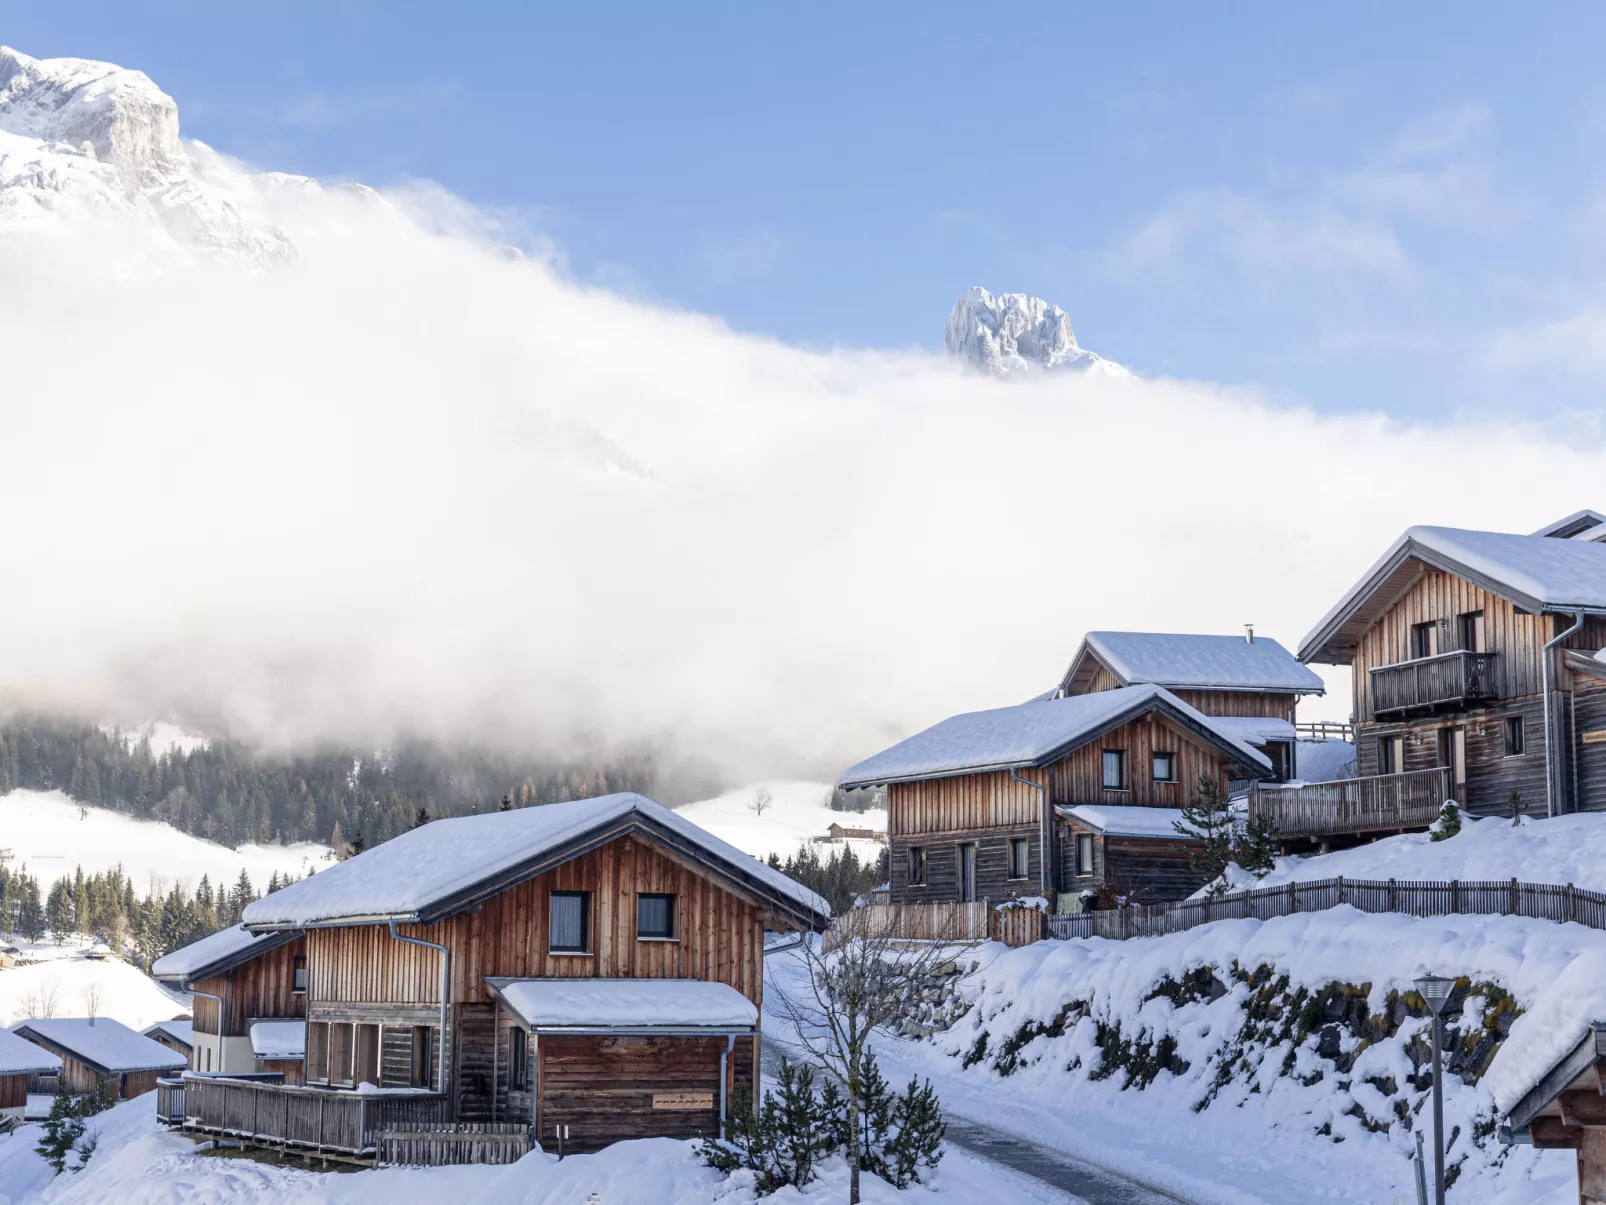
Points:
x=1474 y=632
x=423 y=1057
x=1020 y=857
x=518 y=1060
x=1121 y=770
x=673 y=933
x=1424 y=635
x=1171 y=763
x=317 y=1056
x=917 y=866
x=1084 y=869
x=298 y=975
x=1516 y=725
x=1391 y=754
x=584 y=947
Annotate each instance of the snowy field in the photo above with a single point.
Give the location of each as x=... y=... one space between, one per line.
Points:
x=61 y=982
x=44 y=832
x=799 y=811
x=136 y=1163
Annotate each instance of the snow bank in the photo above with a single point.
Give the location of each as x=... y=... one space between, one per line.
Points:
x=797 y=812
x=46 y=834
x=61 y=980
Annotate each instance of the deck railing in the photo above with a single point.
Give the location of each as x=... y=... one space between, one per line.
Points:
x=1325 y=730
x=1507 y=897
x=1445 y=680
x=912 y=922
x=310 y=1119
x=170 y=1101
x=1352 y=805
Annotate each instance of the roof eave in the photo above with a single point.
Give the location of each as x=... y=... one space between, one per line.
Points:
x=281 y=938
x=1590 y=1048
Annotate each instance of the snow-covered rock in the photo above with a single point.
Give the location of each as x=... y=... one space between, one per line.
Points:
x=82 y=140
x=1016 y=334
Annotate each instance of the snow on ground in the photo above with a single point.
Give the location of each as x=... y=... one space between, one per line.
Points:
x=164 y=738
x=46 y=833
x=137 y=1163
x=62 y=974
x=1564 y=849
x=798 y=811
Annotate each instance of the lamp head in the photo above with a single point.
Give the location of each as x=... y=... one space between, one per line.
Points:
x=1435 y=991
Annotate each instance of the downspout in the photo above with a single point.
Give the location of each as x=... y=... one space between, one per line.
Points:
x=446 y=965
x=1042 y=829
x=1544 y=671
x=724 y=1062
x=197 y=992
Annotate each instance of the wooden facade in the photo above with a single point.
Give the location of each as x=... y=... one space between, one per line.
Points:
x=1140 y=870
x=13 y=1091
x=261 y=989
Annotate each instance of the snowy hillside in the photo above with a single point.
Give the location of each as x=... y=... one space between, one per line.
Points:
x=1016 y=334
x=45 y=832
x=60 y=981
x=798 y=811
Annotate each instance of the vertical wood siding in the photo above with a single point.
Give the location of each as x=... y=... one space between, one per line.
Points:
x=1245 y=703
x=254 y=990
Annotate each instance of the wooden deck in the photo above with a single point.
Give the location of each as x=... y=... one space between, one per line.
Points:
x=1381 y=803
x=311 y=1120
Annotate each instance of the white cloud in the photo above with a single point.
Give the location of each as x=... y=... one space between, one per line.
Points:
x=1574 y=345
x=410 y=483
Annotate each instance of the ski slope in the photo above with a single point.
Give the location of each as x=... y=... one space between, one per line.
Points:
x=51 y=835
x=60 y=981
x=798 y=811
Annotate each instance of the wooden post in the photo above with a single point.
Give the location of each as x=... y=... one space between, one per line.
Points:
x=1455 y=895
x=1571 y=903
x=1340 y=889
x=1293 y=897
x=1512 y=908
x=1393 y=896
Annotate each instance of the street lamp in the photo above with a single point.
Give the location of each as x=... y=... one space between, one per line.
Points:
x=1436 y=991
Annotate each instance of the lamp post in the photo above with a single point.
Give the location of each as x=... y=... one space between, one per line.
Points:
x=1436 y=991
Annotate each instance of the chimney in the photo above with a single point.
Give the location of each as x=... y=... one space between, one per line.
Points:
x=1249 y=633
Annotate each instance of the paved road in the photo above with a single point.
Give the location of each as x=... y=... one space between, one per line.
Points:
x=1092 y=1184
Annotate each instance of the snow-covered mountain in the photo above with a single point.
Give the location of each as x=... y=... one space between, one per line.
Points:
x=85 y=143
x=1013 y=334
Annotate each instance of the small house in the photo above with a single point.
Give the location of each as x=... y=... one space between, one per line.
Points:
x=20 y=1062
x=177 y=1036
x=836 y=832
x=236 y=978
x=98 y=1053
x=1136 y=851
x=981 y=806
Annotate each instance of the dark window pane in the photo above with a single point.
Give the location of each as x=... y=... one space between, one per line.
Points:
x=655 y=916
x=568 y=920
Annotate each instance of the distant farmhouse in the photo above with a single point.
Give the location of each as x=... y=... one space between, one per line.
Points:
x=21 y=1063
x=99 y=1054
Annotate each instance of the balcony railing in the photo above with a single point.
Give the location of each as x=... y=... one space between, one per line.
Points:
x=310 y=1119
x=1353 y=805
x=1448 y=680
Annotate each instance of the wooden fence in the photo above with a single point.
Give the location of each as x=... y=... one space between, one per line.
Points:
x=307 y=1119
x=444 y=1143
x=913 y=922
x=170 y=1101
x=1353 y=805
x=1501 y=897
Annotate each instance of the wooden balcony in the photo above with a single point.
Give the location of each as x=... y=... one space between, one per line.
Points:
x=1449 y=680
x=1381 y=803
x=314 y=1120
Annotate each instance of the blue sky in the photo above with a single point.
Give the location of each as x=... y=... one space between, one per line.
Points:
x=1356 y=208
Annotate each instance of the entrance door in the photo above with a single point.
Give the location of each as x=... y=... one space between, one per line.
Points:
x=967 y=872
x=1453 y=753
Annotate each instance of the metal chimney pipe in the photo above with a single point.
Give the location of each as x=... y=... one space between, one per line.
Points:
x=1249 y=633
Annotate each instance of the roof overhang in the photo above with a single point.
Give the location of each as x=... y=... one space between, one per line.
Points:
x=267 y=941
x=1139 y=708
x=779 y=904
x=1088 y=661
x=1066 y=812
x=505 y=990
x=1581 y=1059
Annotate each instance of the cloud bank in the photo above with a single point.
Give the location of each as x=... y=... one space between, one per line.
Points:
x=410 y=483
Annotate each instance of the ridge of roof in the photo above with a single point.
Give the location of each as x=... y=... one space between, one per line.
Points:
x=1198 y=661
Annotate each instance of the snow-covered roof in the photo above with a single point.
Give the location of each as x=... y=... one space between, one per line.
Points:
x=1127 y=821
x=18 y=1056
x=1324 y=761
x=279 y=1039
x=1199 y=662
x=1031 y=734
x=625 y=1003
x=215 y=954
x=1581 y=524
x=1537 y=573
x=178 y=1031
x=1255 y=730
x=101 y=1042
x=447 y=865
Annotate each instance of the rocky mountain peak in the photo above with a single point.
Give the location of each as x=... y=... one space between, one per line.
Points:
x=1015 y=334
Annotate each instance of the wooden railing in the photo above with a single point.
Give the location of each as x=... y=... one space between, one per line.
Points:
x=170 y=1101
x=1352 y=805
x=312 y=1119
x=444 y=1144
x=1447 y=679
x=912 y=922
x=1325 y=730
x=1507 y=897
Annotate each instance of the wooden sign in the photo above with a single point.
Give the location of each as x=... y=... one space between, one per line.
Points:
x=1597 y=737
x=683 y=1101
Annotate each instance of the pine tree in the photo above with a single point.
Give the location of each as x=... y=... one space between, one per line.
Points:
x=1208 y=826
x=58 y=910
x=421 y=817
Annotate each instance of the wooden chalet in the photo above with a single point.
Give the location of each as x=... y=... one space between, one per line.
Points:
x=974 y=802
x=21 y=1063
x=178 y=1036
x=99 y=1054
x=1475 y=669
x=236 y=978
x=1251 y=681
x=595 y=965
x=1136 y=851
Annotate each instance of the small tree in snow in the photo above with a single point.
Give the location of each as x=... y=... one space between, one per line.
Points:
x=1208 y=827
x=1514 y=808
x=1448 y=824
x=761 y=802
x=92 y=1001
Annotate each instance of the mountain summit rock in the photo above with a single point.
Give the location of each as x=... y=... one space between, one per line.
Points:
x=1016 y=335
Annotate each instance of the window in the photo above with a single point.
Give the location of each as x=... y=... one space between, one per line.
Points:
x=655 y=917
x=1516 y=736
x=917 y=866
x=367 y=1055
x=1390 y=754
x=1472 y=632
x=318 y=1051
x=340 y=1052
x=1020 y=850
x=423 y=1056
x=1115 y=769
x=1165 y=767
x=568 y=931
x=518 y=1060
x=298 y=977
x=1424 y=640
x=1084 y=853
